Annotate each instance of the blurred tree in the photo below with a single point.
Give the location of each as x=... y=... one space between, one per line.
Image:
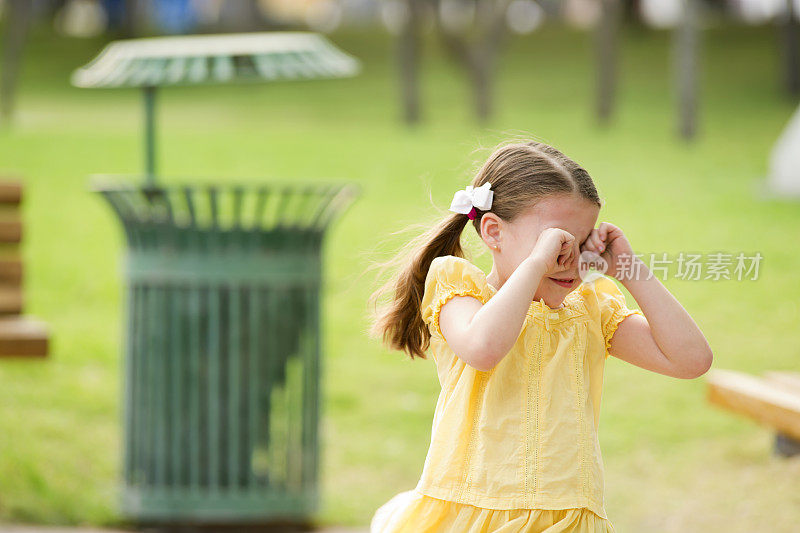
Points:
x=474 y=41
x=243 y=15
x=791 y=56
x=130 y=24
x=408 y=50
x=606 y=49
x=17 y=20
x=685 y=46
x=631 y=11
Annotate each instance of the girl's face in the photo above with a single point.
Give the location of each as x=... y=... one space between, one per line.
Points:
x=517 y=239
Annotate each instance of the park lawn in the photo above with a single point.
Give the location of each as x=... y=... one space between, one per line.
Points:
x=673 y=462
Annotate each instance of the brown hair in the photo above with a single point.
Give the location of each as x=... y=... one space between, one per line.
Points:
x=521 y=173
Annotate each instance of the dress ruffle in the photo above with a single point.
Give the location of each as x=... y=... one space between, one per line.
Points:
x=414 y=512
x=613 y=308
x=447 y=277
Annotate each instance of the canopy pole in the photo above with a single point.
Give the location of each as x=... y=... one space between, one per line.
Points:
x=149 y=135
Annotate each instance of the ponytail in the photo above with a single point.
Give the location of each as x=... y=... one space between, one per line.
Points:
x=399 y=323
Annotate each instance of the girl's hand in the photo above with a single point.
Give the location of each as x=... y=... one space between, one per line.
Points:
x=610 y=243
x=556 y=249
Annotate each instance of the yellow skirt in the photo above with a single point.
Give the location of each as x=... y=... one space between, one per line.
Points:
x=413 y=512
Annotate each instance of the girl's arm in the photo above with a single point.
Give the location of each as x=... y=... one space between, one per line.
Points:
x=482 y=334
x=667 y=341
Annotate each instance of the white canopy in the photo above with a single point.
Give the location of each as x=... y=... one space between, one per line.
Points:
x=223 y=58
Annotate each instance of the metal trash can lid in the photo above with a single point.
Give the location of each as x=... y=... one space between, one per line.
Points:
x=264 y=207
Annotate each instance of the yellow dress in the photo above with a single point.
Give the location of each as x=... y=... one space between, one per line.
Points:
x=514 y=448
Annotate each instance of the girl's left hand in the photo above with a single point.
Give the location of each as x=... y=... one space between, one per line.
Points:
x=610 y=243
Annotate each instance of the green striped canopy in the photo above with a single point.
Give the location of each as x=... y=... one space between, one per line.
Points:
x=206 y=59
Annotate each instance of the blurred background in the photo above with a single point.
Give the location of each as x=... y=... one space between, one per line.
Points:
x=681 y=110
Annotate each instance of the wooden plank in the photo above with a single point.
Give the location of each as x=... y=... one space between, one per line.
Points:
x=11 y=271
x=788 y=380
x=10 y=192
x=756 y=398
x=10 y=230
x=11 y=300
x=23 y=336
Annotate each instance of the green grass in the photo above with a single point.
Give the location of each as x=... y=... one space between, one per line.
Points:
x=673 y=462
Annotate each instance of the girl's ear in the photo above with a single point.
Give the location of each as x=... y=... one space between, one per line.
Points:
x=491 y=227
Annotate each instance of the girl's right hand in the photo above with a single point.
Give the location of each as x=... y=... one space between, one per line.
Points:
x=555 y=249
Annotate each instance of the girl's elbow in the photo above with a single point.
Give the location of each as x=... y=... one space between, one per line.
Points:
x=478 y=361
x=701 y=363
x=484 y=362
x=708 y=360
x=485 y=358
x=482 y=366
x=476 y=357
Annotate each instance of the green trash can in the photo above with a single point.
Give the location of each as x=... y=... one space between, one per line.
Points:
x=222 y=343
x=222 y=351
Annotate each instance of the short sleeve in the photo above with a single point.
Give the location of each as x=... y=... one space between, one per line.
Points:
x=450 y=276
x=613 y=308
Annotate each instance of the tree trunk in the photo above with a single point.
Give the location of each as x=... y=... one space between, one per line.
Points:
x=130 y=25
x=408 y=47
x=685 y=71
x=16 y=30
x=481 y=74
x=791 y=57
x=606 y=46
x=241 y=16
x=478 y=56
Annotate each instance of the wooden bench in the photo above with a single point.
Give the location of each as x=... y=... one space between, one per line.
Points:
x=20 y=335
x=772 y=400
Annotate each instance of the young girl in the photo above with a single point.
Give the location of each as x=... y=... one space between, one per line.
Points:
x=520 y=352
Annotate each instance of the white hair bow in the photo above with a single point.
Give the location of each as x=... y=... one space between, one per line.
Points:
x=466 y=200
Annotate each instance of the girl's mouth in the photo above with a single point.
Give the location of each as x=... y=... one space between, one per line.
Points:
x=563 y=282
